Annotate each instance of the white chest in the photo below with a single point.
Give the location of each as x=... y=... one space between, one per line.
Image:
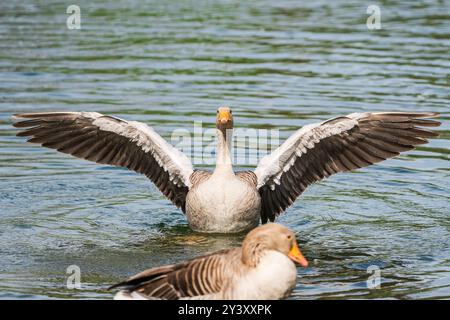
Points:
x=223 y=193
x=274 y=278
x=223 y=204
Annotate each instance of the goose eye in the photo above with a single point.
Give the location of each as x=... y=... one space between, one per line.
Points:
x=217 y=111
x=289 y=237
x=231 y=112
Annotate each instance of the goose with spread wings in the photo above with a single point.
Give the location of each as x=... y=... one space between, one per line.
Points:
x=222 y=200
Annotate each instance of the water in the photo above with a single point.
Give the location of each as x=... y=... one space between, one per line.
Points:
x=280 y=65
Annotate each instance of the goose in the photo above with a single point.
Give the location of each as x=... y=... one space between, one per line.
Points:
x=262 y=268
x=222 y=200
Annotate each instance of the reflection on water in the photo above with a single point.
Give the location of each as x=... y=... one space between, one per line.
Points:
x=280 y=65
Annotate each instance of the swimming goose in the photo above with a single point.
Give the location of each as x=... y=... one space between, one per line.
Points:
x=262 y=268
x=225 y=201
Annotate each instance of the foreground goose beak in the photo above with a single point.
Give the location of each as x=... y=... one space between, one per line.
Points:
x=297 y=256
x=224 y=116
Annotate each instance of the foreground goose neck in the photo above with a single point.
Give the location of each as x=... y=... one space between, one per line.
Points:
x=252 y=252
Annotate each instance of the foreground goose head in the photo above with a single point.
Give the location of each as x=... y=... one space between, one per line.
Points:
x=271 y=237
x=222 y=200
x=262 y=268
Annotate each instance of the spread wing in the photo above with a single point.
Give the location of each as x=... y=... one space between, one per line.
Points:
x=198 y=277
x=109 y=140
x=341 y=144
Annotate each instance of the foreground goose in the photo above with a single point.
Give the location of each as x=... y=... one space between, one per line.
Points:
x=225 y=201
x=262 y=268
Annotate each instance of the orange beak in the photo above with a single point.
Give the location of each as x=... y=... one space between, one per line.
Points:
x=297 y=256
x=224 y=116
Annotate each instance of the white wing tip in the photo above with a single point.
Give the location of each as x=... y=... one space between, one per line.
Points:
x=127 y=295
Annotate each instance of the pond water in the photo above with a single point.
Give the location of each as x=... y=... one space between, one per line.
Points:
x=280 y=65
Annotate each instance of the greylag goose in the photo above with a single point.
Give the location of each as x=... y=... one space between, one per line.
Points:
x=225 y=201
x=262 y=268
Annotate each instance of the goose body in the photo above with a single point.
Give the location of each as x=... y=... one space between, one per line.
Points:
x=263 y=268
x=225 y=201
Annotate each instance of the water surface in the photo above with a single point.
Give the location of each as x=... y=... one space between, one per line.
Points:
x=280 y=65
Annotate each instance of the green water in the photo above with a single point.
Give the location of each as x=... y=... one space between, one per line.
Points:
x=280 y=65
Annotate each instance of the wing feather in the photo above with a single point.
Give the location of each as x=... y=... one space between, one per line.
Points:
x=337 y=145
x=198 y=277
x=109 y=140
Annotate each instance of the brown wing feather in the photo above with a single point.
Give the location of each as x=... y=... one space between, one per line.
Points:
x=200 y=276
x=76 y=134
x=376 y=137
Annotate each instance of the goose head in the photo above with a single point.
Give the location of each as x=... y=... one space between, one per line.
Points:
x=271 y=236
x=224 y=119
